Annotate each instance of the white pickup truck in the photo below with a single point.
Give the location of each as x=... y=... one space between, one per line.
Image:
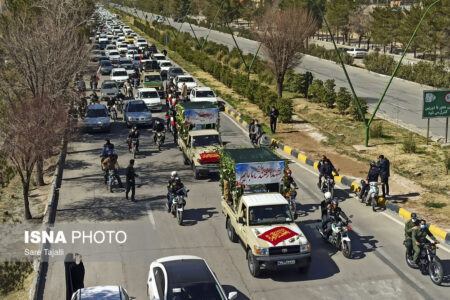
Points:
x=357 y=52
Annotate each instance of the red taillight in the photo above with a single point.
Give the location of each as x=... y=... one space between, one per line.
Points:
x=349 y=228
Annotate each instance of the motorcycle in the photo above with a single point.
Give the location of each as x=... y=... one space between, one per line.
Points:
x=111 y=180
x=339 y=237
x=160 y=136
x=290 y=196
x=178 y=204
x=371 y=195
x=328 y=186
x=428 y=262
x=119 y=105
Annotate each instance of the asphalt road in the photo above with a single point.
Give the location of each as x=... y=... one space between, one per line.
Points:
x=402 y=104
x=377 y=269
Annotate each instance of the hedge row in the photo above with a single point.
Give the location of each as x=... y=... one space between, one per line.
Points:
x=257 y=93
x=329 y=54
x=424 y=73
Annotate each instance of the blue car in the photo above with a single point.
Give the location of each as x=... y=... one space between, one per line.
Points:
x=105 y=67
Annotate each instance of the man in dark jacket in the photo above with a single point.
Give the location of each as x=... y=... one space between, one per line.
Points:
x=419 y=236
x=410 y=225
x=131 y=180
x=273 y=114
x=325 y=168
x=384 y=166
x=372 y=176
x=334 y=214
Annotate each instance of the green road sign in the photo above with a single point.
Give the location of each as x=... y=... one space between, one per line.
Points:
x=436 y=104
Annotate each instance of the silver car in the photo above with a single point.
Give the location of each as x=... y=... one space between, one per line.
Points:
x=136 y=112
x=109 y=88
x=97 y=118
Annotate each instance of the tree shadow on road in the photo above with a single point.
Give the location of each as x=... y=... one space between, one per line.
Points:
x=362 y=245
x=195 y=215
x=304 y=210
x=446 y=267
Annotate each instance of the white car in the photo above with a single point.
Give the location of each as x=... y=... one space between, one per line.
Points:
x=188 y=80
x=150 y=97
x=107 y=292
x=357 y=53
x=184 y=277
x=119 y=75
x=130 y=54
x=122 y=48
x=158 y=56
x=202 y=94
x=141 y=43
x=114 y=56
x=165 y=64
x=110 y=48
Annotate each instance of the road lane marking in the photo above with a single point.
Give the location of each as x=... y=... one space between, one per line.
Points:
x=150 y=216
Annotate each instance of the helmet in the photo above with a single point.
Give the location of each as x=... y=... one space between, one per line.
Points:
x=288 y=171
x=173 y=174
x=373 y=164
x=414 y=217
x=134 y=127
x=177 y=179
x=157 y=121
x=327 y=196
x=334 y=202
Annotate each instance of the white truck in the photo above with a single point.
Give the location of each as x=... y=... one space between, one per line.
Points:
x=257 y=214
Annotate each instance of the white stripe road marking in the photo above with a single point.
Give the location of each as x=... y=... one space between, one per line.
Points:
x=312 y=172
x=150 y=216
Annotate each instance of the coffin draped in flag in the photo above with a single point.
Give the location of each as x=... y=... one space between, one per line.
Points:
x=259 y=173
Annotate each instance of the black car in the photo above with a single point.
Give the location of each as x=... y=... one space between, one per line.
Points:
x=174 y=72
x=151 y=65
x=164 y=75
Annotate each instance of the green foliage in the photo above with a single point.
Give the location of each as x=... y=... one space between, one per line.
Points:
x=329 y=54
x=432 y=204
x=409 y=144
x=316 y=90
x=353 y=109
x=380 y=63
x=285 y=109
x=376 y=130
x=343 y=100
x=296 y=83
x=446 y=162
x=6 y=171
x=13 y=274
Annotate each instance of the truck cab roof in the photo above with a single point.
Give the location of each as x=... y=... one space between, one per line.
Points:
x=262 y=199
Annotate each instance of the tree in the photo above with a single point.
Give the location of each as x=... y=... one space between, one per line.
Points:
x=359 y=23
x=45 y=46
x=32 y=127
x=282 y=34
x=338 y=12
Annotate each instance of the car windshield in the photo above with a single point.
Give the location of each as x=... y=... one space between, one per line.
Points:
x=177 y=71
x=96 y=113
x=149 y=95
x=363 y=50
x=113 y=53
x=166 y=64
x=109 y=85
x=269 y=214
x=149 y=78
x=125 y=62
x=196 y=290
x=137 y=107
x=206 y=140
x=106 y=63
x=204 y=94
x=186 y=79
x=119 y=73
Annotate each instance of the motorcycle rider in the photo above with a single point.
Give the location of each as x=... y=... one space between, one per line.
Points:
x=288 y=181
x=255 y=131
x=94 y=97
x=108 y=149
x=419 y=236
x=158 y=127
x=410 y=225
x=173 y=175
x=176 y=188
x=111 y=164
x=326 y=169
x=334 y=213
x=134 y=134
x=372 y=176
x=324 y=205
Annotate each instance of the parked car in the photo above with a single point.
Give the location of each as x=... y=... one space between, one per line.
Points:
x=184 y=277
x=202 y=94
x=150 y=97
x=174 y=72
x=107 y=292
x=357 y=52
x=137 y=113
x=119 y=75
x=105 y=67
x=97 y=118
x=187 y=79
x=108 y=89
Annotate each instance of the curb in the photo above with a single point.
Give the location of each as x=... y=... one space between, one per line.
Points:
x=37 y=287
x=347 y=181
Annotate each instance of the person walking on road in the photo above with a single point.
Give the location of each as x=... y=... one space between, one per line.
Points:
x=384 y=166
x=131 y=180
x=183 y=91
x=94 y=82
x=273 y=114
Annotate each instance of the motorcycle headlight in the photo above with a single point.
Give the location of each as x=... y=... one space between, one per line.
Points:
x=130 y=118
x=261 y=250
x=305 y=247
